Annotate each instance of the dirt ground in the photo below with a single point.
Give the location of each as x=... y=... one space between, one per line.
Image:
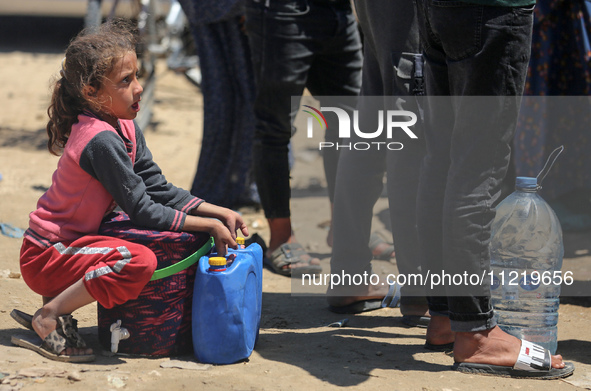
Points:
x=296 y=349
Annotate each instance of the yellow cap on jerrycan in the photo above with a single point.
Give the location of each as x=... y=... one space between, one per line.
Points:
x=240 y=242
x=217 y=264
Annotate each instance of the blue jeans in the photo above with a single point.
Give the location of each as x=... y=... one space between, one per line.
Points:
x=476 y=63
x=296 y=44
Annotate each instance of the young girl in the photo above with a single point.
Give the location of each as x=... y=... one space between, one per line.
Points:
x=105 y=163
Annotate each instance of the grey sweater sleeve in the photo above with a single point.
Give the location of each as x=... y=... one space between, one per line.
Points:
x=105 y=158
x=157 y=186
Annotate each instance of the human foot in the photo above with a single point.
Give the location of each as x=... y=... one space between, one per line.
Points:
x=493 y=346
x=285 y=254
x=291 y=258
x=380 y=248
x=415 y=312
x=439 y=337
x=46 y=323
x=494 y=352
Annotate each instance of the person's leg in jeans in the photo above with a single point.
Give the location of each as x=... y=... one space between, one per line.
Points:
x=389 y=46
x=467 y=156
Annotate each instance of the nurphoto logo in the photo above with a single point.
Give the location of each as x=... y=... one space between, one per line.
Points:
x=388 y=121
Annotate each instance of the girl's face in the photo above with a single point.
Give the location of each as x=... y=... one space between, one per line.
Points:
x=120 y=92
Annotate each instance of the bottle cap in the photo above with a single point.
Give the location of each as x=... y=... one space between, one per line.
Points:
x=240 y=240
x=217 y=261
x=524 y=182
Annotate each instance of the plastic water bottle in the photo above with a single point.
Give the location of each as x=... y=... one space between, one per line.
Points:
x=227 y=304
x=526 y=258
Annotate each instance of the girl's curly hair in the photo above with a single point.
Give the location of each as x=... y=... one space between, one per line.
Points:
x=90 y=57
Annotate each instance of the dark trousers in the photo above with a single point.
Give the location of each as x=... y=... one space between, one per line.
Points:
x=296 y=44
x=476 y=62
x=391 y=41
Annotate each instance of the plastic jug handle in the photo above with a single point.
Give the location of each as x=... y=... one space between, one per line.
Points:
x=185 y=263
x=549 y=163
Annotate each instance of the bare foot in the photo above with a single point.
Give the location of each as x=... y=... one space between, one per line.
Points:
x=439 y=331
x=44 y=322
x=493 y=346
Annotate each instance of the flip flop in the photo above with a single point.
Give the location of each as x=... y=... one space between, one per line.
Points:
x=391 y=300
x=11 y=231
x=288 y=254
x=22 y=318
x=34 y=343
x=533 y=362
x=57 y=341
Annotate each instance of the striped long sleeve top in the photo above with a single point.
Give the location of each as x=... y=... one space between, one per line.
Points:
x=102 y=167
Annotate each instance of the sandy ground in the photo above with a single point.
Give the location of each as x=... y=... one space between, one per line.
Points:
x=296 y=349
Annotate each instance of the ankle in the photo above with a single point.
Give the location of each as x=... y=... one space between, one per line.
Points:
x=439 y=330
x=281 y=232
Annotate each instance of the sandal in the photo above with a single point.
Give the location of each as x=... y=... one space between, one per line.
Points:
x=64 y=336
x=23 y=319
x=380 y=248
x=533 y=362
x=288 y=254
x=26 y=320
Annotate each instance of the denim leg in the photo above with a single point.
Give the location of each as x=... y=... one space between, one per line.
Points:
x=480 y=64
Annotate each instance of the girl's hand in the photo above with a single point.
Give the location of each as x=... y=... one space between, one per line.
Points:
x=232 y=220
x=220 y=232
x=222 y=238
x=223 y=229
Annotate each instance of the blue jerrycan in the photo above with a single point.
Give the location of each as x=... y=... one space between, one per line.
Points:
x=227 y=302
